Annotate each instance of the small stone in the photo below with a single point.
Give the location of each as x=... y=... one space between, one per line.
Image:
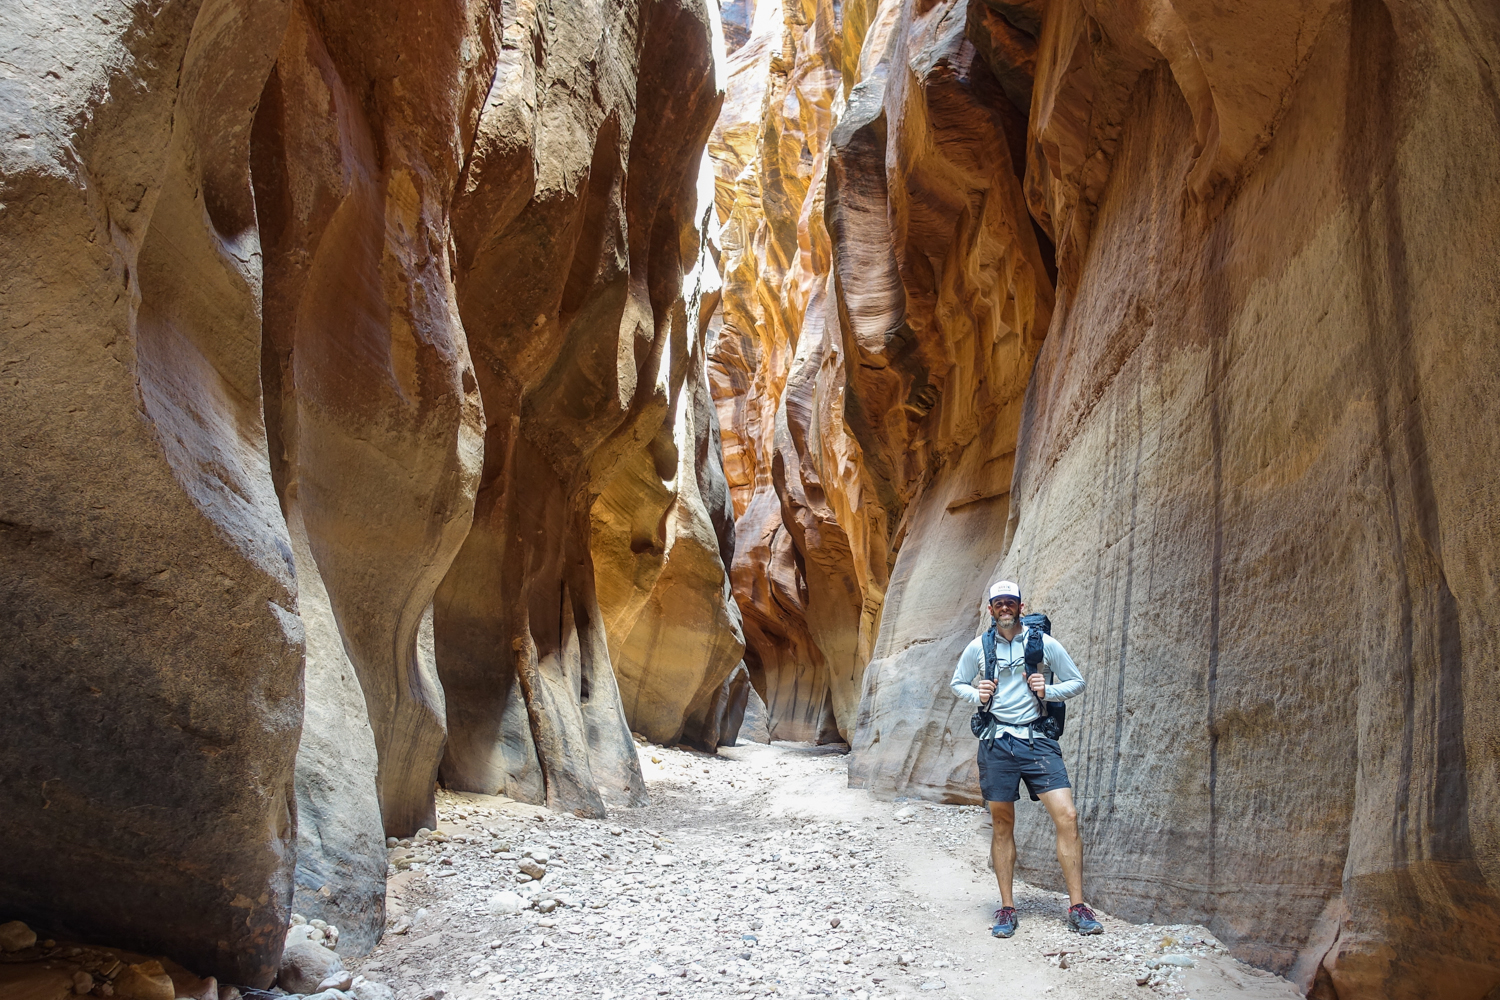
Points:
x=227 y=992
x=532 y=868
x=905 y=813
x=340 y=980
x=392 y=842
x=615 y=831
x=545 y=905
x=934 y=984
x=1174 y=961
x=833 y=921
x=364 y=989
x=504 y=904
x=297 y=933
x=298 y=919
x=146 y=981
x=905 y=958
x=321 y=925
x=82 y=982
x=539 y=855
x=304 y=966
x=15 y=935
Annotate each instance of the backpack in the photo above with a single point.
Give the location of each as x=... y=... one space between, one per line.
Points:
x=1054 y=713
x=1051 y=723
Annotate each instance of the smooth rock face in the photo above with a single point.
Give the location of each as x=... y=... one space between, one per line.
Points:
x=248 y=248
x=1259 y=461
x=364 y=358
x=574 y=230
x=152 y=649
x=1252 y=477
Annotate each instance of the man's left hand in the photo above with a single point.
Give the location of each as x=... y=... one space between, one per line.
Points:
x=1038 y=683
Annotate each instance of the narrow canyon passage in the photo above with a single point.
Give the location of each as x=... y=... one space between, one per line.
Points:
x=415 y=407
x=755 y=872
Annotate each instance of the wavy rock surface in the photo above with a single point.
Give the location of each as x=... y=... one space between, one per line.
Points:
x=152 y=648
x=373 y=414
x=575 y=227
x=875 y=345
x=1260 y=416
x=249 y=249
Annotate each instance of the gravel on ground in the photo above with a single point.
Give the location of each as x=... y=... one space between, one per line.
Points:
x=753 y=873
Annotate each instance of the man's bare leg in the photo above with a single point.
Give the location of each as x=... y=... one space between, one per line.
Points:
x=1003 y=847
x=1059 y=803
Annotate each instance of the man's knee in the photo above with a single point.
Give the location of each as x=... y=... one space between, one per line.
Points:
x=1003 y=816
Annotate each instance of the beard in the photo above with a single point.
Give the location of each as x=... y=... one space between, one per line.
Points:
x=1005 y=621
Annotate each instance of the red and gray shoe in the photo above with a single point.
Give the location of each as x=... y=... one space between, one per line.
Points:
x=1005 y=922
x=1082 y=920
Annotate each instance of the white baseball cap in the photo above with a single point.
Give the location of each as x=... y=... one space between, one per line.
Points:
x=1006 y=588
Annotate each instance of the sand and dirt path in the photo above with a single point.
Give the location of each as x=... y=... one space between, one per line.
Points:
x=753 y=873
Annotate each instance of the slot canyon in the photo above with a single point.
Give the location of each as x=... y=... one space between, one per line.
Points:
x=411 y=403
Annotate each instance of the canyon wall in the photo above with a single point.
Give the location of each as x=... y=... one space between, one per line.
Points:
x=1243 y=454
x=1257 y=475
x=885 y=293
x=277 y=552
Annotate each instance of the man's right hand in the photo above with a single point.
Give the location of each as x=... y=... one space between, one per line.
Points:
x=985 y=689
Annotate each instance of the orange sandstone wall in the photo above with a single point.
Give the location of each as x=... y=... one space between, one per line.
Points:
x=332 y=333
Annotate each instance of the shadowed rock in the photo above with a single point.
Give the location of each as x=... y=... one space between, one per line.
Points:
x=574 y=229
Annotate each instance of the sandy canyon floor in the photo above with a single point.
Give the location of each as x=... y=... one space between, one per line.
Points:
x=753 y=873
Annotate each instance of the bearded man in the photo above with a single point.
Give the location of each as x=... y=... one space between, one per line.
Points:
x=1011 y=750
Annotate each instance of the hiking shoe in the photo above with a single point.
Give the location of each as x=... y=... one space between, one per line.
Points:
x=1005 y=922
x=1082 y=920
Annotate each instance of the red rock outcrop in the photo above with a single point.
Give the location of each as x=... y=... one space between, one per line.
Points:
x=769 y=154
x=249 y=250
x=872 y=343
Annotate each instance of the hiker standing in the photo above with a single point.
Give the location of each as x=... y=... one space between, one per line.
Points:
x=1012 y=750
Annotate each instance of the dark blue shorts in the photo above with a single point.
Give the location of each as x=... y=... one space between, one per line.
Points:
x=1006 y=762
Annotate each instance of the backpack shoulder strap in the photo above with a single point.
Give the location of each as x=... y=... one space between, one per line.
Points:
x=988 y=640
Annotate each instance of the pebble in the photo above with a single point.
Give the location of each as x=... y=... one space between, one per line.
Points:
x=15 y=935
x=506 y=903
x=341 y=980
x=1177 y=961
x=82 y=982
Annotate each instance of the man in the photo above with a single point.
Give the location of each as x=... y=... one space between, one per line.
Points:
x=1010 y=751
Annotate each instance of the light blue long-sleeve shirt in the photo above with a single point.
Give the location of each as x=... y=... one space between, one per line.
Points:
x=1013 y=703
